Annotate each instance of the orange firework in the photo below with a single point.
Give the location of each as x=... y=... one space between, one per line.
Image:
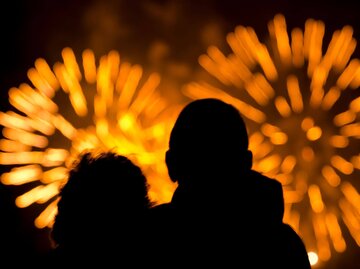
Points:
x=70 y=108
x=302 y=109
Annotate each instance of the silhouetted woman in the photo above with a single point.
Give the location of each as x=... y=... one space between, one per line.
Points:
x=102 y=213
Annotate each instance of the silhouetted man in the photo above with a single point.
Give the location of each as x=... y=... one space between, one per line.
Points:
x=222 y=212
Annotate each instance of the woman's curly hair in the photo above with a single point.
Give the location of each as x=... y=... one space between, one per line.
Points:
x=103 y=190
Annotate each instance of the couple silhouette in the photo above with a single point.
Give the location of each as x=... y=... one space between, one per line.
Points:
x=222 y=213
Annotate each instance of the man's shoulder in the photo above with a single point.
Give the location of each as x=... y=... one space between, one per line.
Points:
x=270 y=195
x=262 y=179
x=160 y=220
x=160 y=209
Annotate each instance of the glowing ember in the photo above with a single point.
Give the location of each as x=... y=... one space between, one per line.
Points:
x=302 y=110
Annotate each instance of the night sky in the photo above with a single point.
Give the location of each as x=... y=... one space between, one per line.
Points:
x=180 y=30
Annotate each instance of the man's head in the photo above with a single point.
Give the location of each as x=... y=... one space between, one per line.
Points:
x=209 y=136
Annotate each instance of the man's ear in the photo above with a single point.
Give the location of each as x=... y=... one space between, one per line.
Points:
x=171 y=165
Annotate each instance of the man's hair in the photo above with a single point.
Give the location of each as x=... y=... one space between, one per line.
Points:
x=211 y=125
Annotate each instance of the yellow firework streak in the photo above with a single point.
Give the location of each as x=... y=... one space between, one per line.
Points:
x=302 y=109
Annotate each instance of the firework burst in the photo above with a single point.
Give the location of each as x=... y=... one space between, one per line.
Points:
x=302 y=110
x=69 y=108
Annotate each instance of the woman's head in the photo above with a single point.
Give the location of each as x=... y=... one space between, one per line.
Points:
x=101 y=188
